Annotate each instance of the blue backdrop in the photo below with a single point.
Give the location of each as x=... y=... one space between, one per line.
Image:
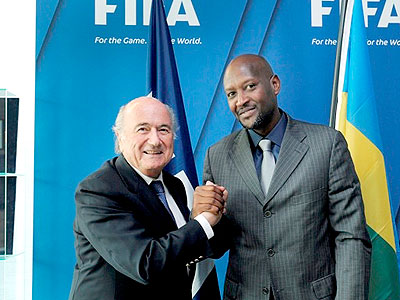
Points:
x=90 y=62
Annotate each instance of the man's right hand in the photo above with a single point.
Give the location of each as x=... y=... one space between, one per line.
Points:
x=210 y=201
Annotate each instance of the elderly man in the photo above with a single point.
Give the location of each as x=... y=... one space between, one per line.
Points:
x=133 y=235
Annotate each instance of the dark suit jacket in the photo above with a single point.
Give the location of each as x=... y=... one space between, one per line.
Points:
x=307 y=238
x=127 y=245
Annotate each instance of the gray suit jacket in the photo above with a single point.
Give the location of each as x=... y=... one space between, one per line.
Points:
x=307 y=238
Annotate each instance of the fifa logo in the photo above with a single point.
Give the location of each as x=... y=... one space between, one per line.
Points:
x=102 y=9
x=390 y=13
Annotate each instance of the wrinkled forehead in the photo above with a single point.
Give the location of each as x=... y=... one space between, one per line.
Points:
x=147 y=112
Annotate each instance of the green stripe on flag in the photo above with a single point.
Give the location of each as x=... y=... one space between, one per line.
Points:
x=384 y=281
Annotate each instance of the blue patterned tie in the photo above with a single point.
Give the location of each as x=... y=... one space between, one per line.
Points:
x=158 y=187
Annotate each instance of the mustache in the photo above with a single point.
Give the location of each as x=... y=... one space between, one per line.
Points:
x=244 y=109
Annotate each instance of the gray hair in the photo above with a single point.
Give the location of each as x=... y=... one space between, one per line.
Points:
x=117 y=128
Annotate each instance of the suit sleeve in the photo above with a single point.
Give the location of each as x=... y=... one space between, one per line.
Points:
x=222 y=240
x=119 y=234
x=346 y=214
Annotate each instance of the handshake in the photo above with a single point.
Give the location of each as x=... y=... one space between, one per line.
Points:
x=210 y=201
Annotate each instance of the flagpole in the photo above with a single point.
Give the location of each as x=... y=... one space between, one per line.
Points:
x=334 y=99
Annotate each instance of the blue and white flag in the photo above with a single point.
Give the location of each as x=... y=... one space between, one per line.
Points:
x=163 y=84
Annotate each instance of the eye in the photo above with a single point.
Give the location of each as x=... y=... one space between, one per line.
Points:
x=164 y=130
x=250 y=86
x=230 y=95
x=141 y=129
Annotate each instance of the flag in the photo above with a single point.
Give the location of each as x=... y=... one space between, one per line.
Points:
x=163 y=83
x=357 y=119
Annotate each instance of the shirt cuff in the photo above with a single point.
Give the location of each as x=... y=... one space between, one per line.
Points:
x=205 y=225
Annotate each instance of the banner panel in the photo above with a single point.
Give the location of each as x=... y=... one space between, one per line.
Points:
x=92 y=58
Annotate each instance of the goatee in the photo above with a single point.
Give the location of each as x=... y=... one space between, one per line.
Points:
x=261 y=121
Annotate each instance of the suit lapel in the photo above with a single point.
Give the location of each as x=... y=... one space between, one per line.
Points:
x=242 y=158
x=147 y=197
x=174 y=188
x=292 y=152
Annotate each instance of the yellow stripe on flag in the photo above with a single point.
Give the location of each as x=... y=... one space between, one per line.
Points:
x=370 y=168
x=342 y=117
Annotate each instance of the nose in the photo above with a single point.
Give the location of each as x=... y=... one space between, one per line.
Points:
x=154 y=138
x=241 y=99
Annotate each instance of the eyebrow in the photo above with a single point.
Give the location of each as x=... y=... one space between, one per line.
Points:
x=142 y=124
x=148 y=124
x=165 y=125
x=247 y=81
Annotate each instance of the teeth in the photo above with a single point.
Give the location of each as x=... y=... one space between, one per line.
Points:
x=152 y=152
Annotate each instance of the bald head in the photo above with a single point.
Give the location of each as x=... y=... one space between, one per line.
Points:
x=252 y=89
x=256 y=64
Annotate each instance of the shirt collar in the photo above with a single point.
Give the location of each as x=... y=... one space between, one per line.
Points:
x=276 y=134
x=146 y=178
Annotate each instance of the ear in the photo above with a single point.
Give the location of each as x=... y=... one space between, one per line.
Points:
x=120 y=138
x=276 y=84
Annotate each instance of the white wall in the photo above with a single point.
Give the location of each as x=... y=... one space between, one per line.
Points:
x=17 y=74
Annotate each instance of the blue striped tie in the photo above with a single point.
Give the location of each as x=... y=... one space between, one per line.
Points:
x=158 y=187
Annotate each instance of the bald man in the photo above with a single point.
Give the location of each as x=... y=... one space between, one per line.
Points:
x=133 y=235
x=300 y=234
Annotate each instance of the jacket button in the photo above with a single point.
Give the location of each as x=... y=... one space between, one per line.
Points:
x=271 y=252
x=265 y=291
x=268 y=214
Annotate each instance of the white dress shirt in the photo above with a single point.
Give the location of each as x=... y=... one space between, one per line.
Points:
x=179 y=219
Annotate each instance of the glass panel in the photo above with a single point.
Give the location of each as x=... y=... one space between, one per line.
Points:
x=8 y=134
x=12 y=130
x=2 y=215
x=7 y=213
x=10 y=213
x=2 y=135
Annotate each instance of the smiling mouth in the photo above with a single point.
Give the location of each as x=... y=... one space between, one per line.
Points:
x=152 y=152
x=245 y=110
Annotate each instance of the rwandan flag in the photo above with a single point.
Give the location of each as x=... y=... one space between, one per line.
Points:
x=357 y=119
x=164 y=85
